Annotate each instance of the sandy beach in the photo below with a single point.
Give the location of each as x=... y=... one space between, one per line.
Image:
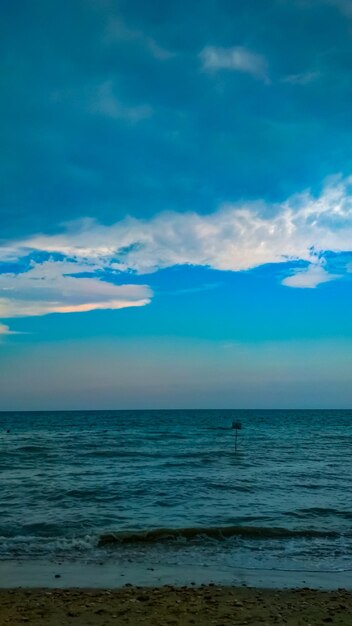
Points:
x=173 y=606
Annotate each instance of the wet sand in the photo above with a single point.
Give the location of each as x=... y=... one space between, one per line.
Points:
x=175 y=606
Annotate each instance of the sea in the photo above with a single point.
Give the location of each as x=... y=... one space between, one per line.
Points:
x=173 y=491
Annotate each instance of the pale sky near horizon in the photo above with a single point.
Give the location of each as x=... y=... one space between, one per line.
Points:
x=176 y=204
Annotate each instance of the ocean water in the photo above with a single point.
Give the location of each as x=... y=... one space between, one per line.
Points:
x=98 y=487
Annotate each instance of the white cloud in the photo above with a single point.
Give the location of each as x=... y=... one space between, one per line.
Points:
x=309 y=278
x=56 y=287
x=238 y=59
x=234 y=238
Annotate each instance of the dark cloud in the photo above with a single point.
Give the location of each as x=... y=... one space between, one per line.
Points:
x=105 y=109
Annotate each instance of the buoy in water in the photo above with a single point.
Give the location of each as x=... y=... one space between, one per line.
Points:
x=236 y=426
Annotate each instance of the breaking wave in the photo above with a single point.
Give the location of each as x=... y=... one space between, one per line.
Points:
x=218 y=532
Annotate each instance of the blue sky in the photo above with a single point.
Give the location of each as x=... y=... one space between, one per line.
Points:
x=176 y=204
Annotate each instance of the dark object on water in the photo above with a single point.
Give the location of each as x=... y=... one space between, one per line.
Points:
x=236 y=426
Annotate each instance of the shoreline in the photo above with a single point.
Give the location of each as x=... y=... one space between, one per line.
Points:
x=175 y=606
x=116 y=574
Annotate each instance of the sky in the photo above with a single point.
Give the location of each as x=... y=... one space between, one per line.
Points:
x=176 y=204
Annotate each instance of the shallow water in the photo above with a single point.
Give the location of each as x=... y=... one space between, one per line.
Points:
x=69 y=479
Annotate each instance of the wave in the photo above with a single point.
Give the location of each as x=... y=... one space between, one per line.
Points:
x=218 y=532
x=320 y=512
x=34 y=546
x=35 y=448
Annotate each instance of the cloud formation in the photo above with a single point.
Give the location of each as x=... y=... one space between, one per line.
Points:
x=58 y=287
x=105 y=103
x=309 y=277
x=234 y=238
x=301 y=79
x=118 y=31
x=238 y=59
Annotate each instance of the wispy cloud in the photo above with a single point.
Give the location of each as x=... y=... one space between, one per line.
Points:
x=106 y=103
x=118 y=31
x=309 y=277
x=301 y=79
x=59 y=287
x=237 y=59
